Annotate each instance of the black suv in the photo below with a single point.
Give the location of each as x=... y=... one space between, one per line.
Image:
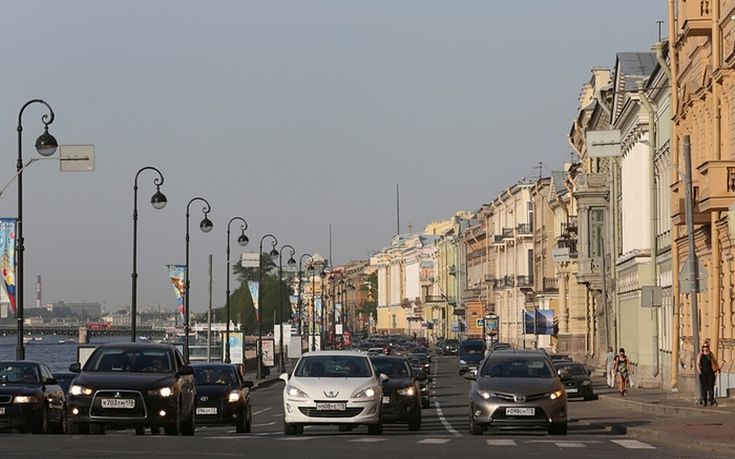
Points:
x=132 y=385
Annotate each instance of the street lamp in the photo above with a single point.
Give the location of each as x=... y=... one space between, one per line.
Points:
x=273 y=253
x=45 y=146
x=322 y=275
x=206 y=226
x=291 y=262
x=242 y=241
x=158 y=201
x=299 y=274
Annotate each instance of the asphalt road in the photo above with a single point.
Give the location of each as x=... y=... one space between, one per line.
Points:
x=594 y=431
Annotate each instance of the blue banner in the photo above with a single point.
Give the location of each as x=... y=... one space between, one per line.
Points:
x=177 y=274
x=7 y=249
x=254 y=287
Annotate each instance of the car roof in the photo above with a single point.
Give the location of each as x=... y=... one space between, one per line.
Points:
x=517 y=353
x=335 y=353
x=213 y=364
x=388 y=357
x=129 y=345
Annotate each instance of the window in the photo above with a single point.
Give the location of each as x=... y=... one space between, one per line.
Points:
x=333 y=366
x=596 y=231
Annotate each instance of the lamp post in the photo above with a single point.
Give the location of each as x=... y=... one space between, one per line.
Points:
x=291 y=262
x=299 y=274
x=273 y=253
x=45 y=146
x=158 y=201
x=206 y=226
x=242 y=241
x=322 y=275
x=313 y=311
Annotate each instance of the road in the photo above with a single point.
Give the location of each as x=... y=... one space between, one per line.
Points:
x=594 y=431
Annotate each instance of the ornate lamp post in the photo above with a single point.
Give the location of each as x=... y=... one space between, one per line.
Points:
x=206 y=226
x=242 y=241
x=291 y=262
x=322 y=275
x=45 y=146
x=273 y=253
x=299 y=274
x=158 y=201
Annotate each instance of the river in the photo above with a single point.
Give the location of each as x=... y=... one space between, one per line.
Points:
x=48 y=350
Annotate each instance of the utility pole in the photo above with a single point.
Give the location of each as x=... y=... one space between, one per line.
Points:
x=209 y=315
x=693 y=274
x=398 y=211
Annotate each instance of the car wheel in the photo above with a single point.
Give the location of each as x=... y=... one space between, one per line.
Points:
x=475 y=428
x=63 y=425
x=78 y=428
x=375 y=429
x=290 y=429
x=425 y=403
x=155 y=430
x=249 y=423
x=42 y=426
x=140 y=431
x=415 y=424
x=240 y=423
x=174 y=428
x=189 y=426
x=96 y=429
x=558 y=428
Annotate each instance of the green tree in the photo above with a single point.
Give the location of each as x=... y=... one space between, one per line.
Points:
x=371 y=287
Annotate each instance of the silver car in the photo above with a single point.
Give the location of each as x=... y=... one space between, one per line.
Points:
x=517 y=389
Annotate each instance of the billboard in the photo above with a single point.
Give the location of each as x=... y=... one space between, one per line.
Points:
x=538 y=322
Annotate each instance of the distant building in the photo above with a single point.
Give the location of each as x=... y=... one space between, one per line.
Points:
x=85 y=311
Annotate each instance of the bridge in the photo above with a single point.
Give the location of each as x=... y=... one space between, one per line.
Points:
x=73 y=330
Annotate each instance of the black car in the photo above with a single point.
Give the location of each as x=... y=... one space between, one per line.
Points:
x=559 y=358
x=223 y=397
x=576 y=379
x=133 y=385
x=451 y=346
x=30 y=398
x=418 y=368
x=64 y=378
x=424 y=359
x=401 y=392
x=471 y=352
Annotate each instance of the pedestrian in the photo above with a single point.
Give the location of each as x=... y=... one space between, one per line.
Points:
x=623 y=369
x=707 y=368
x=610 y=371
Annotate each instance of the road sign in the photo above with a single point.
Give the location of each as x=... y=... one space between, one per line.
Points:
x=76 y=158
x=250 y=260
x=602 y=144
x=685 y=283
x=560 y=254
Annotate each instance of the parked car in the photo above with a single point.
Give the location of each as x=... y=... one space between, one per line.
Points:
x=133 y=385
x=517 y=389
x=64 y=378
x=334 y=388
x=30 y=398
x=223 y=397
x=576 y=380
x=402 y=392
x=470 y=355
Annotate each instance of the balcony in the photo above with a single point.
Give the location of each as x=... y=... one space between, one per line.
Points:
x=568 y=243
x=524 y=282
x=551 y=284
x=525 y=229
x=697 y=18
x=434 y=299
x=500 y=282
x=507 y=233
x=489 y=279
x=717 y=190
x=678 y=212
x=497 y=239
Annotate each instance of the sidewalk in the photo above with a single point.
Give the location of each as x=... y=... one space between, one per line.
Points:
x=677 y=419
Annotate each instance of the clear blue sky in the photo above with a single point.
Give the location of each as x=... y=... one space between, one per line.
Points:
x=292 y=114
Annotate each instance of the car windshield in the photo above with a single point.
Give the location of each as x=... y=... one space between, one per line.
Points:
x=333 y=366
x=130 y=360
x=517 y=368
x=393 y=368
x=211 y=376
x=65 y=381
x=18 y=373
x=575 y=369
x=472 y=349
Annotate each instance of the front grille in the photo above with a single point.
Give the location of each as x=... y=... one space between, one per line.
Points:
x=139 y=412
x=511 y=397
x=313 y=413
x=570 y=383
x=5 y=399
x=539 y=414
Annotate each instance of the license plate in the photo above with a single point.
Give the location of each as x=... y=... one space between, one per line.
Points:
x=2 y=410
x=206 y=410
x=572 y=390
x=386 y=400
x=124 y=403
x=520 y=411
x=331 y=406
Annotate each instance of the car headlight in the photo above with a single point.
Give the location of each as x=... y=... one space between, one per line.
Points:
x=365 y=393
x=407 y=391
x=486 y=395
x=234 y=397
x=462 y=362
x=586 y=382
x=161 y=392
x=556 y=394
x=24 y=399
x=80 y=390
x=296 y=392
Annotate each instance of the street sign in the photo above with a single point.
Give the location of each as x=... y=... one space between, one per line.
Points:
x=250 y=260
x=560 y=254
x=76 y=158
x=685 y=284
x=602 y=144
x=651 y=296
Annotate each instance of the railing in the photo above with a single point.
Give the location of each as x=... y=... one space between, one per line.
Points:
x=434 y=299
x=497 y=238
x=551 y=283
x=571 y=244
x=525 y=228
x=524 y=281
x=507 y=232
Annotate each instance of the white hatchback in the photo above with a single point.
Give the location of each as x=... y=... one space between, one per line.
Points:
x=335 y=388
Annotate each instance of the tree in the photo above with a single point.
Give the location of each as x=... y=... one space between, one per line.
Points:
x=371 y=287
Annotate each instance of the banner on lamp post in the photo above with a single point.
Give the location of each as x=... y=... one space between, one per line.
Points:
x=295 y=319
x=177 y=273
x=7 y=264
x=253 y=287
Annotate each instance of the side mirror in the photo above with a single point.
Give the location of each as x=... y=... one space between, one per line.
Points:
x=284 y=377
x=75 y=367
x=186 y=370
x=247 y=384
x=420 y=376
x=589 y=372
x=384 y=377
x=471 y=375
x=51 y=382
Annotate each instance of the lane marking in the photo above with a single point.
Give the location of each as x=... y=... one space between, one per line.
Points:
x=265 y=424
x=262 y=411
x=296 y=438
x=368 y=440
x=444 y=421
x=569 y=444
x=633 y=444
x=501 y=442
x=433 y=441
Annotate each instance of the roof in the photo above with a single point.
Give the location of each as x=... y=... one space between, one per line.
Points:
x=636 y=64
x=558 y=178
x=335 y=353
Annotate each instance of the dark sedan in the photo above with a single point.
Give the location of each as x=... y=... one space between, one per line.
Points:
x=133 y=385
x=576 y=380
x=30 y=398
x=418 y=368
x=64 y=378
x=223 y=397
x=401 y=392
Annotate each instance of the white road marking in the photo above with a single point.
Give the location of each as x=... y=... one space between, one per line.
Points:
x=569 y=444
x=262 y=411
x=368 y=440
x=501 y=442
x=444 y=421
x=633 y=444
x=433 y=441
x=296 y=438
x=228 y=437
x=265 y=424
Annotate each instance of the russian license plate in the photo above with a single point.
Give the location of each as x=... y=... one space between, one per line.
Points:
x=520 y=411
x=386 y=399
x=572 y=390
x=2 y=410
x=124 y=403
x=204 y=410
x=331 y=406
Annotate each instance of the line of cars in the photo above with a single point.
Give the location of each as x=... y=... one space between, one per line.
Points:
x=124 y=385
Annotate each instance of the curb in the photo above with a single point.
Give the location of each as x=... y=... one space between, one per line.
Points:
x=265 y=383
x=644 y=433
x=657 y=408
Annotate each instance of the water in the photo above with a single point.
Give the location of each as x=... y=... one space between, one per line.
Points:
x=57 y=356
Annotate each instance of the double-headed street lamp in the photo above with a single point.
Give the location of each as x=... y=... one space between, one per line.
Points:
x=206 y=226
x=158 y=201
x=242 y=241
x=273 y=253
x=299 y=274
x=291 y=262
x=46 y=146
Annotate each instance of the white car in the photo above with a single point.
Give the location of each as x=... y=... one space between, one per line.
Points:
x=333 y=388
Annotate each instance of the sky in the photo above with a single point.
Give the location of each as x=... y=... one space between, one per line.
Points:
x=291 y=114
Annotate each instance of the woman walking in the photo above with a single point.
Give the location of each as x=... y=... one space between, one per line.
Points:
x=623 y=370
x=707 y=367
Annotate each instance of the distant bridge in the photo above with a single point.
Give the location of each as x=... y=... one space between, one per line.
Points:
x=73 y=330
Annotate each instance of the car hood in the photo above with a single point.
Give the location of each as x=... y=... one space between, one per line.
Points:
x=393 y=384
x=215 y=391
x=474 y=358
x=19 y=389
x=322 y=388
x=131 y=381
x=524 y=386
